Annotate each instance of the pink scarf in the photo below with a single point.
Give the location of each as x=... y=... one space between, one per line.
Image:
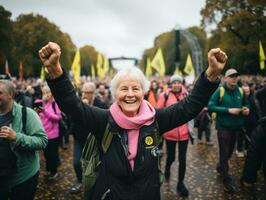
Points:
x=145 y=116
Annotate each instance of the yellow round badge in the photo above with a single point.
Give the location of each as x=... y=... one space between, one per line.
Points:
x=149 y=140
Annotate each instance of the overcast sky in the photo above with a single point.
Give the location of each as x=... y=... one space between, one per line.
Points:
x=114 y=27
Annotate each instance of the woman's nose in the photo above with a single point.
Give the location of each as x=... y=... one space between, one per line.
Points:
x=130 y=92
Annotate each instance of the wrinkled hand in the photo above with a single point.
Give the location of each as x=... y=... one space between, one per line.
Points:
x=217 y=60
x=8 y=133
x=50 y=55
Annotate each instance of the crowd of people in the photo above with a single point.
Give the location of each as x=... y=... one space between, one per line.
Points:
x=135 y=111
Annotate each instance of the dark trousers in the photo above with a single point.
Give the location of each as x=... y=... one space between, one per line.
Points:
x=52 y=156
x=25 y=190
x=240 y=141
x=256 y=156
x=182 y=154
x=78 y=147
x=226 y=140
x=64 y=140
x=207 y=130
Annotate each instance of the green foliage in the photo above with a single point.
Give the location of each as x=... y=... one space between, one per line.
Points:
x=88 y=58
x=166 y=41
x=5 y=41
x=239 y=25
x=30 y=33
x=235 y=26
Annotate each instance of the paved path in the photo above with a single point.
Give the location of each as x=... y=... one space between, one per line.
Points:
x=201 y=178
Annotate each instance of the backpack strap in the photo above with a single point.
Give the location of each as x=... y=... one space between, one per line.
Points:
x=53 y=105
x=244 y=101
x=241 y=91
x=24 y=118
x=107 y=138
x=158 y=140
x=221 y=93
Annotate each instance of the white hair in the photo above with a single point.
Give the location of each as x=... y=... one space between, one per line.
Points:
x=132 y=73
x=46 y=88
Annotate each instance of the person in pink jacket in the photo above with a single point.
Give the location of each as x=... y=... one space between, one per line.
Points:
x=176 y=93
x=50 y=116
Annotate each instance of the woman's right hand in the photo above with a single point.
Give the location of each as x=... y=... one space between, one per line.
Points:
x=50 y=55
x=217 y=60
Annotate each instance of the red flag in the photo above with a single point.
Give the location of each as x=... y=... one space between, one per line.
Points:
x=6 y=68
x=20 y=71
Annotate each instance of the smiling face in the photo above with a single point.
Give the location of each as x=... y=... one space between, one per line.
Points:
x=176 y=86
x=129 y=96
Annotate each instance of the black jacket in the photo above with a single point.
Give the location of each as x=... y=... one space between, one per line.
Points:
x=256 y=155
x=80 y=132
x=115 y=173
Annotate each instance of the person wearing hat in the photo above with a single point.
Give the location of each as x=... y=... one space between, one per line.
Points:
x=231 y=106
x=179 y=135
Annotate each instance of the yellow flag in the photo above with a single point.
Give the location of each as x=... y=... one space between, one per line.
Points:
x=105 y=65
x=92 y=71
x=189 y=69
x=177 y=71
x=148 y=71
x=76 y=68
x=43 y=72
x=111 y=72
x=99 y=65
x=158 y=62
x=262 y=56
x=42 y=76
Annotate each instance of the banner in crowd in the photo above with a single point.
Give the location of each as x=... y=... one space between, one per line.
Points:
x=148 y=71
x=20 y=71
x=189 y=69
x=262 y=56
x=92 y=71
x=105 y=65
x=177 y=71
x=6 y=68
x=99 y=65
x=75 y=68
x=157 y=62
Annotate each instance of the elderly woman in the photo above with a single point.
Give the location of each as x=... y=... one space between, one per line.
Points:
x=129 y=169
